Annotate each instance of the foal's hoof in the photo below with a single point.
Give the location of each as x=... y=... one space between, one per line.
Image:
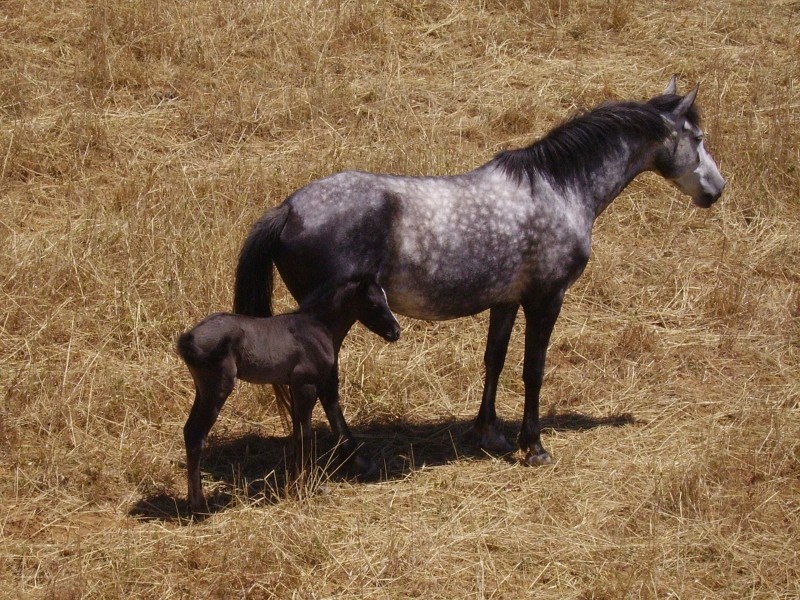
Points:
x=494 y=442
x=364 y=468
x=535 y=459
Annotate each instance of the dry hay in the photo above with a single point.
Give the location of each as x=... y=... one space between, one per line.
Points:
x=138 y=142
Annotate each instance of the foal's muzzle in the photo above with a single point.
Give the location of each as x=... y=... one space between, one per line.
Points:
x=392 y=335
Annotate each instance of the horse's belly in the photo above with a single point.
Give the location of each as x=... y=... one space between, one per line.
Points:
x=448 y=287
x=435 y=298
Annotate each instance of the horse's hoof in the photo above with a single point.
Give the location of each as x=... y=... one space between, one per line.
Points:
x=542 y=457
x=199 y=512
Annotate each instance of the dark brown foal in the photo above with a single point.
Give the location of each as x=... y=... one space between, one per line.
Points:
x=298 y=349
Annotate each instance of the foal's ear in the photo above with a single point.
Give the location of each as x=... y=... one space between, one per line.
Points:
x=365 y=282
x=372 y=286
x=378 y=294
x=672 y=86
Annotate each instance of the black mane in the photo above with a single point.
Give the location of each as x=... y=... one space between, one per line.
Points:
x=579 y=145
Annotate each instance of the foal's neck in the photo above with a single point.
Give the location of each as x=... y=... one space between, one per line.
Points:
x=338 y=323
x=339 y=329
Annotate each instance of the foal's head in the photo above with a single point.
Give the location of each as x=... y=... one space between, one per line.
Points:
x=359 y=298
x=373 y=309
x=684 y=159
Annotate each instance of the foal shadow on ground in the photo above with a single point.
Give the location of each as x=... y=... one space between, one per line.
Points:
x=253 y=466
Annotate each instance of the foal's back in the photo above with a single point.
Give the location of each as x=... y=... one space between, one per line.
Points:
x=294 y=348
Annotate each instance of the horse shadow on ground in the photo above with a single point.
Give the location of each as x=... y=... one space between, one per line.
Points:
x=253 y=466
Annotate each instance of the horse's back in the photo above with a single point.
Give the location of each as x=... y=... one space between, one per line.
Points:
x=337 y=227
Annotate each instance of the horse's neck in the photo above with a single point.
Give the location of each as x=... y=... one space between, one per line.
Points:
x=617 y=171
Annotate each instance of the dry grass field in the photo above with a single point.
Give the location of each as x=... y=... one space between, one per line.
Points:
x=140 y=139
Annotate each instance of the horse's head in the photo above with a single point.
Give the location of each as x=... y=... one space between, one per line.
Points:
x=684 y=159
x=374 y=311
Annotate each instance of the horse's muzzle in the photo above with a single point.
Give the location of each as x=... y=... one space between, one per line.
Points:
x=707 y=199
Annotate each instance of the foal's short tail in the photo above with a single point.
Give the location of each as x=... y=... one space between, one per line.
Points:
x=193 y=355
x=253 y=287
x=254 y=280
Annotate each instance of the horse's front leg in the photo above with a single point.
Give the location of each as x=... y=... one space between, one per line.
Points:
x=365 y=467
x=501 y=322
x=540 y=317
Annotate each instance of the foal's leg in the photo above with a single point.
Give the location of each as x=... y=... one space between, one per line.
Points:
x=303 y=398
x=540 y=317
x=364 y=466
x=212 y=389
x=501 y=322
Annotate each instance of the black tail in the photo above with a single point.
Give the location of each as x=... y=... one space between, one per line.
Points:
x=254 y=273
x=253 y=288
x=193 y=355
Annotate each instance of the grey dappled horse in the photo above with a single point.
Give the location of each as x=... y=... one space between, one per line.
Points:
x=297 y=349
x=513 y=232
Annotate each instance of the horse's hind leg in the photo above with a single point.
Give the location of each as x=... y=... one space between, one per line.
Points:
x=501 y=322
x=213 y=386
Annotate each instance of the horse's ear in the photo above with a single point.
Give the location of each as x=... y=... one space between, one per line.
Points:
x=672 y=86
x=686 y=103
